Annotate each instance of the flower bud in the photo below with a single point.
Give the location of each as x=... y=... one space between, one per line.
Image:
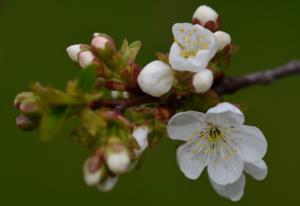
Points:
x=93 y=170
x=30 y=106
x=203 y=80
x=26 y=123
x=140 y=135
x=117 y=156
x=103 y=46
x=207 y=17
x=22 y=96
x=108 y=184
x=86 y=59
x=223 y=39
x=156 y=79
x=74 y=50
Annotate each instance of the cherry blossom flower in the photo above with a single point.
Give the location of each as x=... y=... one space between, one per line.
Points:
x=193 y=48
x=219 y=141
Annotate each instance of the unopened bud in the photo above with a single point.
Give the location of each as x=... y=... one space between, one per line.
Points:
x=103 y=46
x=26 y=123
x=86 y=59
x=223 y=39
x=117 y=156
x=203 y=80
x=22 y=96
x=140 y=135
x=93 y=170
x=108 y=184
x=207 y=17
x=30 y=106
x=156 y=79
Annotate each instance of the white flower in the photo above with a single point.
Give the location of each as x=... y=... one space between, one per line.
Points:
x=219 y=141
x=140 y=134
x=193 y=48
x=86 y=59
x=207 y=17
x=93 y=171
x=203 y=80
x=108 y=184
x=156 y=79
x=73 y=51
x=223 y=38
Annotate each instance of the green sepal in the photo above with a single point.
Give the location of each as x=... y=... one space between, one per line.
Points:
x=91 y=121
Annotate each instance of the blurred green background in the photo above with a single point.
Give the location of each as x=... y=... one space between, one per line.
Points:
x=33 y=38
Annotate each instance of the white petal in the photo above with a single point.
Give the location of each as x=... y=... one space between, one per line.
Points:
x=258 y=170
x=224 y=169
x=156 y=79
x=140 y=134
x=186 y=125
x=180 y=63
x=108 y=184
x=250 y=142
x=192 y=158
x=207 y=40
x=186 y=35
x=233 y=191
x=225 y=114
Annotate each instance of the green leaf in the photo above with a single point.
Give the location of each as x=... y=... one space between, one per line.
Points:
x=52 y=121
x=87 y=79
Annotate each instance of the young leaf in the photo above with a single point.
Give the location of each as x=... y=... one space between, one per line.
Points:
x=52 y=121
x=87 y=79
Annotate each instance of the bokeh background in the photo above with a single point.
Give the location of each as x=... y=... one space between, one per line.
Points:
x=33 y=38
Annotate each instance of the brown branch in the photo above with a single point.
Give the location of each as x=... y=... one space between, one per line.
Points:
x=227 y=85
x=230 y=85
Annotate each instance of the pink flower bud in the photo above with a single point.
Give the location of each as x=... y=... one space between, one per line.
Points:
x=86 y=59
x=21 y=97
x=26 y=123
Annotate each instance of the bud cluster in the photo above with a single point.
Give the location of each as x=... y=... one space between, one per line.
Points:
x=28 y=104
x=113 y=159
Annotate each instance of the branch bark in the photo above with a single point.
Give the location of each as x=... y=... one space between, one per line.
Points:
x=228 y=85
